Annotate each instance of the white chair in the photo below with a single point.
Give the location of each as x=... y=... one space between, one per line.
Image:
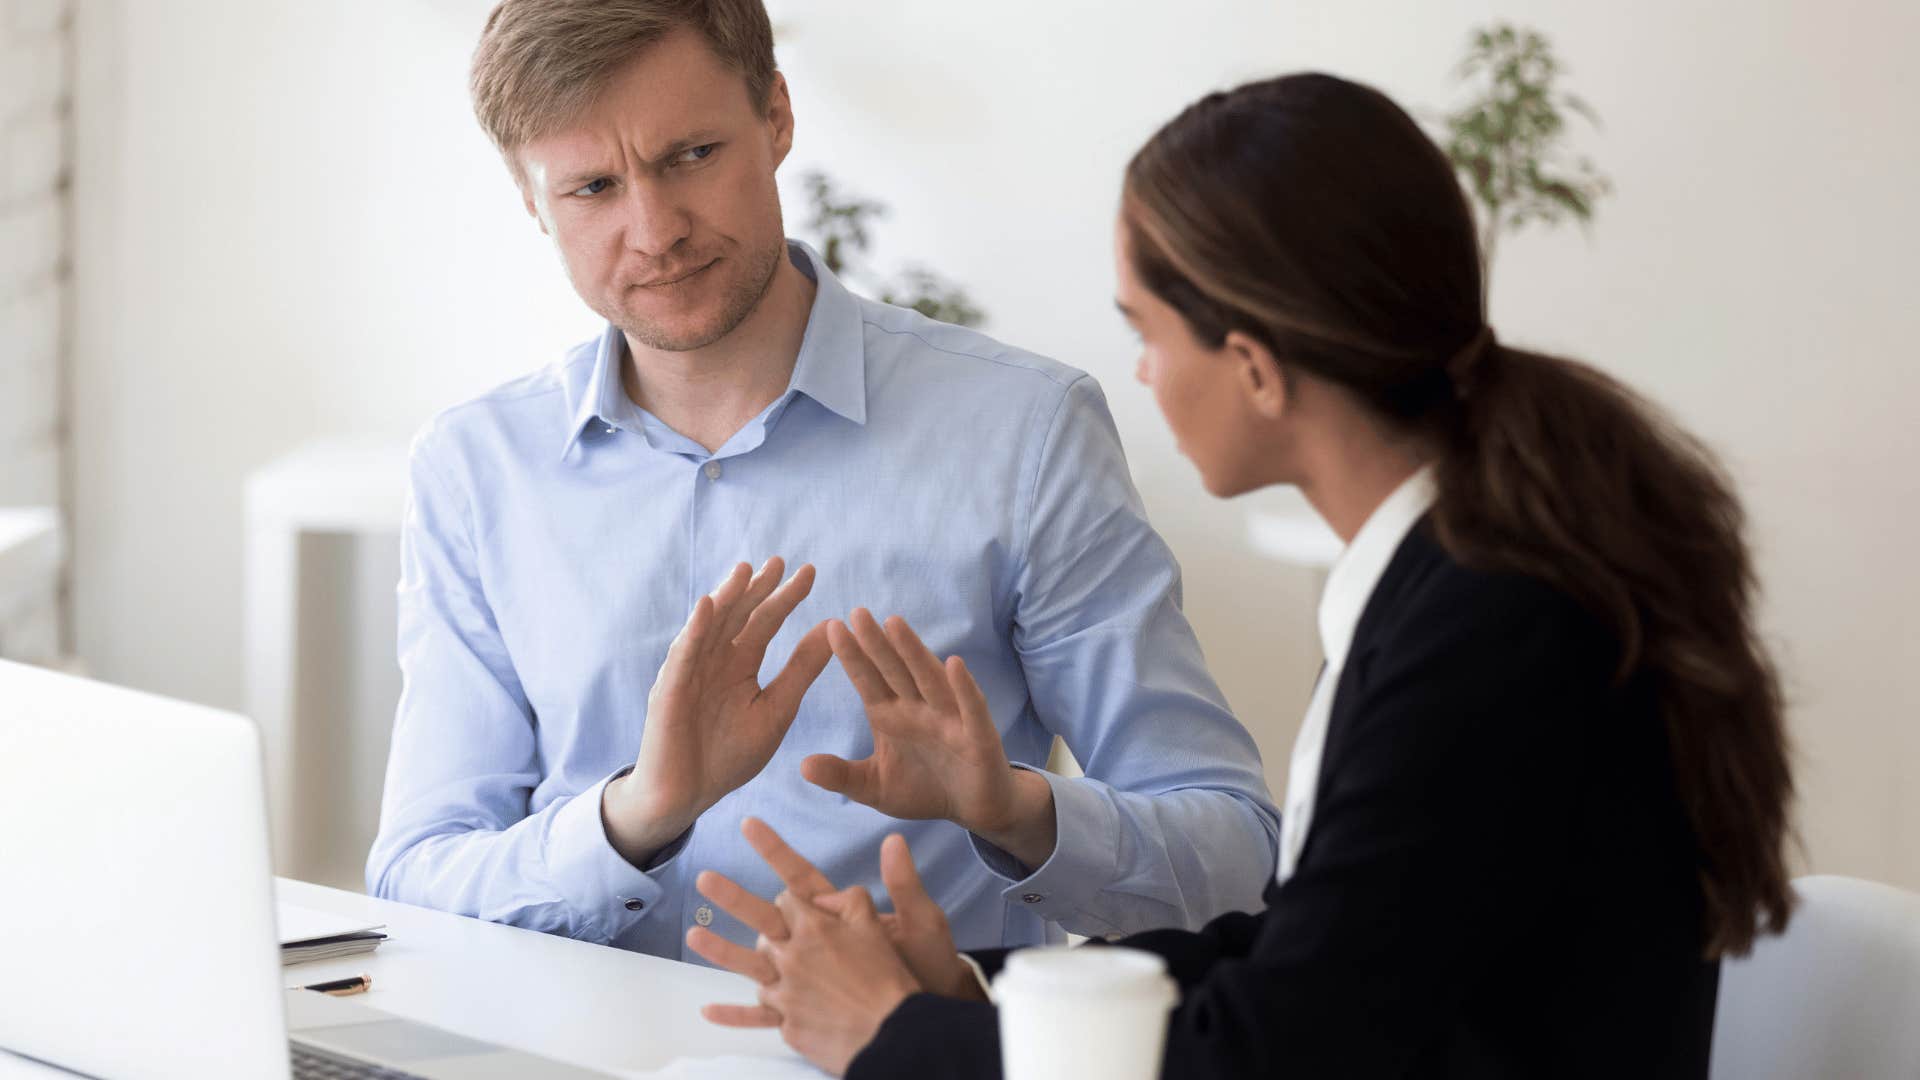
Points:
x=1836 y=996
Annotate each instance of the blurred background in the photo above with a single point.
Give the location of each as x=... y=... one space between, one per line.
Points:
x=246 y=248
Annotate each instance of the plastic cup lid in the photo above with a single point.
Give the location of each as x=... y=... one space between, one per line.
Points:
x=1099 y=970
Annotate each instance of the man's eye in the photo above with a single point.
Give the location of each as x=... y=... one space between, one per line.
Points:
x=594 y=187
x=698 y=153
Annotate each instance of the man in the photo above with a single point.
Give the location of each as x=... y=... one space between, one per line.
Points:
x=742 y=404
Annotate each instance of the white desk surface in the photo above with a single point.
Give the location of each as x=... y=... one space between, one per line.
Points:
x=598 y=1007
x=590 y=1005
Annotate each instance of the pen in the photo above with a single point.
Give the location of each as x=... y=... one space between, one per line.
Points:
x=359 y=984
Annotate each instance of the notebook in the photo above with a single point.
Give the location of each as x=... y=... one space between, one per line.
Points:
x=306 y=934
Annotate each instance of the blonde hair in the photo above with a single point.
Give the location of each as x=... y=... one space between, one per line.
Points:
x=540 y=63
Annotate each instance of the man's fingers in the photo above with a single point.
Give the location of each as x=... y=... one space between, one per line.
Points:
x=928 y=676
x=759 y=914
x=763 y=584
x=901 y=878
x=740 y=1016
x=873 y=641
x=677 y=668
x=803 y=879
x=731 y=955
x=730 y=590
x=866 y=678
x=976 y=714
x=854 y=779
x=769 y=612
x=809 y=659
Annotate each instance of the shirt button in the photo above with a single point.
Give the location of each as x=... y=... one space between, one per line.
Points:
x=634 y=903
x=1032 y=898
x=713 y=470
x=703 y=915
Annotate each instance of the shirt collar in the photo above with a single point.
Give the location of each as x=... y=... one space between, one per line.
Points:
x=1361 y=565
x=831 y=367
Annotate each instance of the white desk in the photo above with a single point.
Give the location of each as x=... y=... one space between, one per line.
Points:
x=590 y=1005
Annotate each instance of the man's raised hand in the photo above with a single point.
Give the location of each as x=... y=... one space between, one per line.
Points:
x=711 y=726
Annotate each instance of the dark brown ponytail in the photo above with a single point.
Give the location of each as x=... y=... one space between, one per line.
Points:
x=1314 y=214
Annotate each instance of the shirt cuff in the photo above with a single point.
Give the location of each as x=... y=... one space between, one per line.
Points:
x=980 y=976
x=610 y=892
x=1085 y=853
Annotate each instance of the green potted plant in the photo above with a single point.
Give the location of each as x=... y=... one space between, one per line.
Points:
x=842 y=225
x=1508 y=139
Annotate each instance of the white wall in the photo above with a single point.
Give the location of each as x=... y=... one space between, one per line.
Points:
x=288 y=226
x=34 y=82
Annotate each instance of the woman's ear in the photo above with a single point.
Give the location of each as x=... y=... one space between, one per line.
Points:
x=1259 y=375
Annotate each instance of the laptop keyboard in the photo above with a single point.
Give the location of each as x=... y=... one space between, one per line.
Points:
x=312 y=1064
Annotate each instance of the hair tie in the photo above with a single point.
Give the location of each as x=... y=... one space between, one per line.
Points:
x=1461 y=368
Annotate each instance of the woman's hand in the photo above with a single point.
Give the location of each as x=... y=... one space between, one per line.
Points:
x=831 y=967
x=916 y=925
x=837 y=980
x=936 y=752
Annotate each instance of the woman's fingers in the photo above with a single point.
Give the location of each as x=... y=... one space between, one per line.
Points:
x=732 y=956
x=928 y=677
x=901 y=878
x=842 y=904
x=873 y=641
x=761 y=915
x=741 y=1016
x=860 y=904
x=853 y=904
x=802 y=878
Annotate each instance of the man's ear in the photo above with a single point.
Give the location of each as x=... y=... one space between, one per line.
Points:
x=519 y=170
x=780 y=117
x=533 y=211
x=1259 y=374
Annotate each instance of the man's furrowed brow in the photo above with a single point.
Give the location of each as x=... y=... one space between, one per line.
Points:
x=683 y=144
x=578 y=178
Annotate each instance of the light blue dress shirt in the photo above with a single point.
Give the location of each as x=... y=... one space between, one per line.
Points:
x=557 y=536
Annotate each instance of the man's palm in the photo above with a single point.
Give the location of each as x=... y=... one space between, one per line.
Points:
x=710 y=726
x=936 y=752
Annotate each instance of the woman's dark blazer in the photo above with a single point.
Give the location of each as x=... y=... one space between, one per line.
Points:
x=1500 y=880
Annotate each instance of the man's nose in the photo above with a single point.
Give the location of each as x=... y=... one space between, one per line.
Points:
x=1140 y=371
x=655 y=221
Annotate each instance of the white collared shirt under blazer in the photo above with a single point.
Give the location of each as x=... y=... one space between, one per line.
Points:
x=1349 y=586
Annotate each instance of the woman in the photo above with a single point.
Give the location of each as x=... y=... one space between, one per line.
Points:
x=1542 y=785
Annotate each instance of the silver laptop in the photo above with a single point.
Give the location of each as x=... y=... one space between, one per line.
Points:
x=137 y=933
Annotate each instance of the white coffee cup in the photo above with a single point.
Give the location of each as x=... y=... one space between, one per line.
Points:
x=1095 y=1011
